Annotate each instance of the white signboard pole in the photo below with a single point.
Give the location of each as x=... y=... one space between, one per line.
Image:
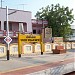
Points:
x=7 y=32
x=8 y=38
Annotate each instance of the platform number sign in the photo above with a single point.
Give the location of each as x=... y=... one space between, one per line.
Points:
x=8 y=40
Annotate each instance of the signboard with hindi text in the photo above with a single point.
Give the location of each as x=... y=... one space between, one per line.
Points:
x=48 y=32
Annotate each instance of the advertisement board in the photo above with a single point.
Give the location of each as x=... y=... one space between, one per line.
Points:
x=58 y=39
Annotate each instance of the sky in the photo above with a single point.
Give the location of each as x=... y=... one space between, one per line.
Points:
x=35 y=5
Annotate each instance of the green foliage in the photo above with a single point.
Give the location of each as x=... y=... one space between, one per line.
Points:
x=59 y=19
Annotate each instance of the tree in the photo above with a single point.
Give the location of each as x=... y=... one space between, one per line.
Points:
x=59 y=19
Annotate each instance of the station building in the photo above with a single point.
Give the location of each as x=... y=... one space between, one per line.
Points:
x=15 y=19
x=18 y=20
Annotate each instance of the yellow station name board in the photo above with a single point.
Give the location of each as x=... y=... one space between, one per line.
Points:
x=29 y=38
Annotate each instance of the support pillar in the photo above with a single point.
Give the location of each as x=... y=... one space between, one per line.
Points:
x=2 y=25
x=21 y=28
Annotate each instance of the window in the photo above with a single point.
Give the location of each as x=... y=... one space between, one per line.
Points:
x=5 y=26
x=28 y=48
x=34 y=31
x=47 y=46
x=10 y=26
x=74 y=45
x=1 y=49
x=39 y=32
x=38 y=47
x=15 y=49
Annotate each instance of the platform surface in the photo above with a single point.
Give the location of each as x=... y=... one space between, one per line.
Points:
x=34 y=62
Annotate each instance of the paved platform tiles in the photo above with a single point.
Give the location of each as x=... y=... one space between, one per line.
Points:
x=33 y=63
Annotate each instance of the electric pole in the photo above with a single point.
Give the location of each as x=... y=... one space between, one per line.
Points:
x=23 y=5
x=1 y=3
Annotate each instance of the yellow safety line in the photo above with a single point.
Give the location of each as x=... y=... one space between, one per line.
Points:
x=21 y=68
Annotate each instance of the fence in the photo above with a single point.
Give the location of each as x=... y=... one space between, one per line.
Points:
x=33 y=48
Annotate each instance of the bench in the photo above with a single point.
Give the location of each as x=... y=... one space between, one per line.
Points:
x=59 y=50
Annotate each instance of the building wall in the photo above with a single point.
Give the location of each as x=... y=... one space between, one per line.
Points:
x=38 y=25
x=19 y=16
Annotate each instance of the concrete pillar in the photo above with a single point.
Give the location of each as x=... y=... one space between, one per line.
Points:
x=21 y=28
x=29 y=27
x=2 y=25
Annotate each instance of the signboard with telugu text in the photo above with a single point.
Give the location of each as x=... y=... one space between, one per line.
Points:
x=29 y=38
